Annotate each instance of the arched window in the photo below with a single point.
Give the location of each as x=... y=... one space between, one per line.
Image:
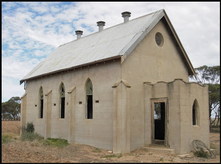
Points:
x=62 y=97
x=195 y=113
x=41 y=100
x=89 y=98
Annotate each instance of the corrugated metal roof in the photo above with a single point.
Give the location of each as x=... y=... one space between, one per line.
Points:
x=115 y=41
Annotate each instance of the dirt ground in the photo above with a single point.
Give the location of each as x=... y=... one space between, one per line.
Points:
x=19 y=151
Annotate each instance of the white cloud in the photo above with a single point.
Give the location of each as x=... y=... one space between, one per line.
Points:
x=11 y=88
x=54 y=9
x=32 y=30
x=197 y=25
x=13 y=67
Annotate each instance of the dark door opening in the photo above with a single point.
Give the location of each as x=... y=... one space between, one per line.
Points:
x=159 y=121
x=89 y=106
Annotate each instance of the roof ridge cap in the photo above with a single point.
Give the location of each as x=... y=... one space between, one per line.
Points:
x=111 y=27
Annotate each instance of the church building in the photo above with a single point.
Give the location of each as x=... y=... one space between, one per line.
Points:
x=120 y=88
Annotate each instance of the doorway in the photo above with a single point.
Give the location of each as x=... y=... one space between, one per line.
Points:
x=159 y=122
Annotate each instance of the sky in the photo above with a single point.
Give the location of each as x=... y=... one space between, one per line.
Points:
x=33 y=30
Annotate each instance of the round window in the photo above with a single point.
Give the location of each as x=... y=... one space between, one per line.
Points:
x=159 y=39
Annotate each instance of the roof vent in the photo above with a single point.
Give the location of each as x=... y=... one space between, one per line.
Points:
x=100 y=24
x=79 y=33
x=126 y=16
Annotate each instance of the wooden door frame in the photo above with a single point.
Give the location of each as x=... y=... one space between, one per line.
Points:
x=160 y=100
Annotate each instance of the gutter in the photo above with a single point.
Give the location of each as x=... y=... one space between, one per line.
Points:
x=70 y=68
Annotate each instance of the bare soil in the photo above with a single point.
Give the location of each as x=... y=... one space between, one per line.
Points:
x=19 y=151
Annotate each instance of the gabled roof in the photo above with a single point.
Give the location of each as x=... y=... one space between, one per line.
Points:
x=111 y=43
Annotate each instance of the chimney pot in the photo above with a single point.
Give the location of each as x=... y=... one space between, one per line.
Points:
x=100 y=24
x=126 y=16
x=78 y=33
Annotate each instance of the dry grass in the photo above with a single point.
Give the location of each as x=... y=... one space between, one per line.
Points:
x=19 y=151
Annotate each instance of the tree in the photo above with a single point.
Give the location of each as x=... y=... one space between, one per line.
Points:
x=207 y=75
x=11 y=108
x=214 y=103
x=211 y=77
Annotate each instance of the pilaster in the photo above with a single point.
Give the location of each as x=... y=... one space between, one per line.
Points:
x=121 y=117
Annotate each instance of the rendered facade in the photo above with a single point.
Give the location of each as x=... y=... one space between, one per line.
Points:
x=119 y=89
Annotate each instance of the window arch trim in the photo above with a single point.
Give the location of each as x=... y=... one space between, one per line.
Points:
x=195 y=113
x=89 y=98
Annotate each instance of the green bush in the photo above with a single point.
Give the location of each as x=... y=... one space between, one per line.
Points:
x=112 y=156
x=27 y=136
x=96 y=150
x=6 y=138
x=28 y=133
x=201 y=153
x=57 y=142
x=30 y=127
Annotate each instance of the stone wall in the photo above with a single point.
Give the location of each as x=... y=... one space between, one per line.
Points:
x=74 y=127
x=179 y=97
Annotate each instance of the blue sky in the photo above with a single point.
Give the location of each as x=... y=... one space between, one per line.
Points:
x=33 y=30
